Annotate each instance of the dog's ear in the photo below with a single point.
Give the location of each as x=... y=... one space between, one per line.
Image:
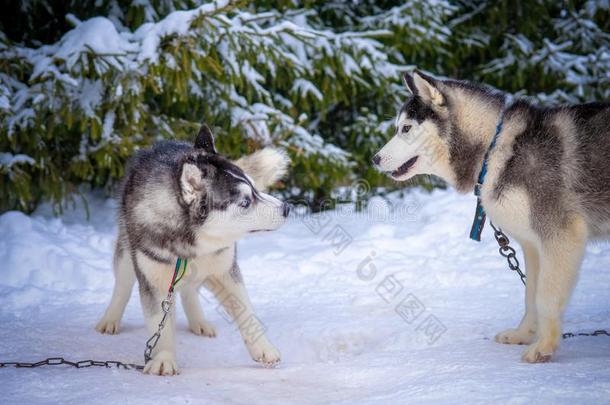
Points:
x=425 y=87
x=265 y=166
x=205 y=140
x=407 y=78
x=191 y=182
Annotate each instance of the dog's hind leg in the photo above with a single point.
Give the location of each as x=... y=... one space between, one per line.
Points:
x=194 y=314
x=124 y=278
x=561 y=256
x=525 y=333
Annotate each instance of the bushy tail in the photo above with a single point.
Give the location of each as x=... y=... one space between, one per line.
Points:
x=265 y=166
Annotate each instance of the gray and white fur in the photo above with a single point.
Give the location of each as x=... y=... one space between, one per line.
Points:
x=184 y=200
x=547 y=186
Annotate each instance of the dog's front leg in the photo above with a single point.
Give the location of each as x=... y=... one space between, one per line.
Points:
x=561 y=256
x=229 y=289
x=524 y=334
x=163 y=356
x=194 y=314
x=154 y=278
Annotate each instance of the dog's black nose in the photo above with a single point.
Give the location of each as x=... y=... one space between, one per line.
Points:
x=286 y=209
x=376 y=159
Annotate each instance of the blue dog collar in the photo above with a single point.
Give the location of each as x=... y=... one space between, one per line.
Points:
x=479 y=215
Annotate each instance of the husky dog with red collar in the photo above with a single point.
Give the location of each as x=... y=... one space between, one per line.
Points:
x=185 y=201
x=546 y=181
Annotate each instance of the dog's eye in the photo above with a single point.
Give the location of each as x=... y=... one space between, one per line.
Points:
x=406 y=128
x=245 y=203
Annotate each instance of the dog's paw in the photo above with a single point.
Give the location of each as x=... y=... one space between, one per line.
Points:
x=164 y=363
x=108 y=326
x=262 y=351
x=539 y=352
x=203 y=328
x=515 y=337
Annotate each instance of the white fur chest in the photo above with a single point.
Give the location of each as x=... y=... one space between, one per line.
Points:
x=210 y=264
x=511 y=212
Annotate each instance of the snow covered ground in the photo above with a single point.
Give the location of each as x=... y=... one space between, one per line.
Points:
x=329 y=289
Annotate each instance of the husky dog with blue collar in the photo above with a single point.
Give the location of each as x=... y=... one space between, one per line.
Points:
x=544 y=177
x=182 y=200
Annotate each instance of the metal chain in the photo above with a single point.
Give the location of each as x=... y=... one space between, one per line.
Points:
x=507 y=251
x=511 y=257
x=151 y=343
x=57 y=361
x=166 y=306
x=599 y=332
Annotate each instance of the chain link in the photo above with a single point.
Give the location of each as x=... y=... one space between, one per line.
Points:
x=513 y=263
